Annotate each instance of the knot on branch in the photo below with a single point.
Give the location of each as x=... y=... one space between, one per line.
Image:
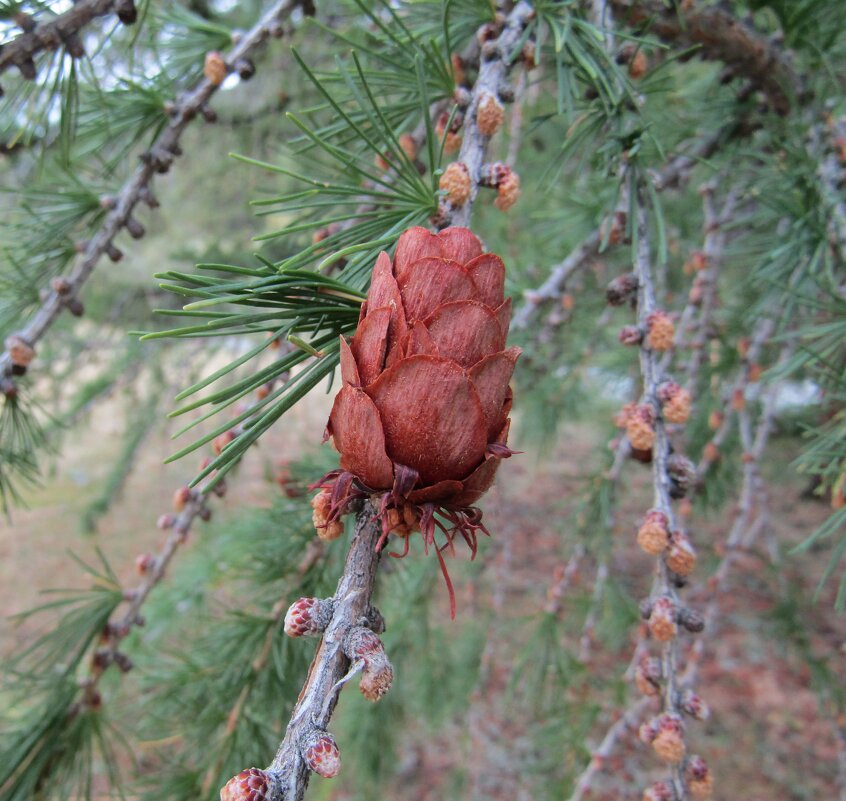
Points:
x=364 y=648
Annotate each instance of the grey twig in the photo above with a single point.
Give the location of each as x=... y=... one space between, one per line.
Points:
x=138 y=188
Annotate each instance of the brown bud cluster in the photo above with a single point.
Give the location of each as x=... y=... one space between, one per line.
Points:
x=640 y=427
x=450 y=136
x=653 y=536
x=660 y=791
x=691 y=704
x=681 y=557
x=489 y=114
x=327 y=529
x=682 y=474
x=622 y=289
x=508 y=192
x=455 y=182
x=675 y=402
x=668 y=742
x=660 y=331
x=662 y=619
x=698 y=778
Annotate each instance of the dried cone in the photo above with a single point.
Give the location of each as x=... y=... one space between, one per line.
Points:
x=214 y=68
x=653 y=536
x=425 y=378
x=698 y=777
x=456 y=183
x=321 y=753
x=327 y=529
x=662 y=620
x=489 y=114
x=308 y=617
x=250 y=785
x=639 y=428
x=669 y=742
x=660 y=331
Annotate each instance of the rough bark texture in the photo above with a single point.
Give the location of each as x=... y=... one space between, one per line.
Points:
x=156 y=160
x=720 y=36
x=52 y=34
x=319 y=695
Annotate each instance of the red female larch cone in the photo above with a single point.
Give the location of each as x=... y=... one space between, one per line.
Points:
x=425 y=397
x=422 y=414
x=251 y=784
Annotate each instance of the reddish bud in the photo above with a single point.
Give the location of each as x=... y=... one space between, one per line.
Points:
x=622 y=289
x=662 y=619
x=251 y=785
x=308 y=617
x=321 y=753
x=630 y=335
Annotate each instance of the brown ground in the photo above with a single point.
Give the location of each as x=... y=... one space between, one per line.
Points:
x=770 y=734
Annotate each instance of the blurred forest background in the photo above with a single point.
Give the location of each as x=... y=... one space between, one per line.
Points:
x=718 y=125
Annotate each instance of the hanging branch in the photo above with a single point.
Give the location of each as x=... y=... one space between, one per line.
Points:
x=719 y=36
x=20 y=347
x=61 y=30
x=349 y=626
x=482 y=119
x=663 y=610
x=673 y=175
